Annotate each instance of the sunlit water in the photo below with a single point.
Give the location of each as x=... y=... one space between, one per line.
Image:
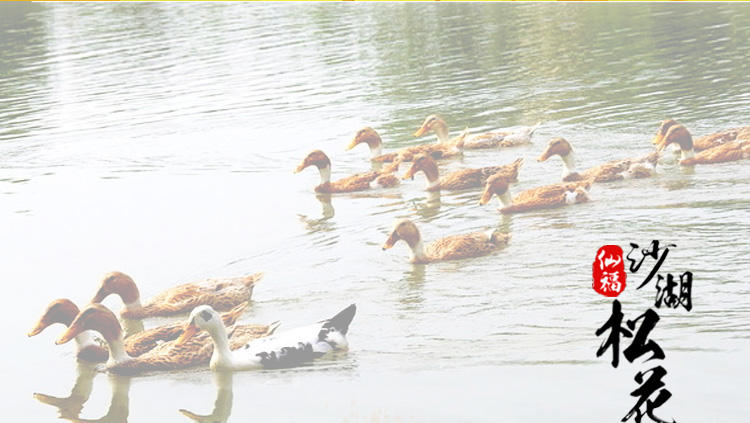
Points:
x=160 y=140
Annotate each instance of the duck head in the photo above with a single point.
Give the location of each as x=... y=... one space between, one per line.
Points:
x=556 y=147
x=316 y=158
x=203 y=317
x=120 y=284
x=58 y=311
x=406 y=230
x=496 y=185
x=435 y=124
x=424 y=163
x=93 y=317
x=676 y=134
x=662 y=131
x=370 y=137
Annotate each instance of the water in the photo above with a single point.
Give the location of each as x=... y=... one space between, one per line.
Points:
x=160 y=140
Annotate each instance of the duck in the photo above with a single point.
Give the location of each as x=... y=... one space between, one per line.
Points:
x=167 y=355
x=91 y=348
x=286 y=349
x=359 y=182
x=728 y=151
x=544 y=197
x=640 y=167
x=460 y=179
x=222 y=293
x=456 y=247
x=369 y=136
x=701 y=143
x=494 y=139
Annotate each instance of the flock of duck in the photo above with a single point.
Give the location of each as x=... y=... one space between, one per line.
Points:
x=217 y=340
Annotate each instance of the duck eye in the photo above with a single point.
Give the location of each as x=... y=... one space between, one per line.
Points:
x=206 y=315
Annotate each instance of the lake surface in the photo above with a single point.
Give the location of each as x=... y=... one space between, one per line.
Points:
x=160 y=140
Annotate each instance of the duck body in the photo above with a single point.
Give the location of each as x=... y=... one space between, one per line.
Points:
x=455 y=247
x=163 y=356
x=367 y=135
x=222 y=294
x=615 y=170
x=461 y=179
x=500 y=138
x=359 y=182
x=286 y=349
x=539 y=198
x=727 y=151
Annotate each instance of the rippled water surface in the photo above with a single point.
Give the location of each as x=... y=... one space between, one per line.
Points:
x=160 y=140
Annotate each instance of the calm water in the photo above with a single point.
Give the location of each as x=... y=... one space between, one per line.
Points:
x=160 y=140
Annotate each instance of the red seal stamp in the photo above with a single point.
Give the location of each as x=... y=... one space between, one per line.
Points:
x=609 y=271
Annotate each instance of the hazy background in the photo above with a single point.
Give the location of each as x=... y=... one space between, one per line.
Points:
x=160 y=140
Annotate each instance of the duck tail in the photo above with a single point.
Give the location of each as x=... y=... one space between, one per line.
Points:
x=534 y=128
x=253 y=279
x=272 y=327
x=498 y=237
x=342 y=320
x=231 y=316
x=515 y=167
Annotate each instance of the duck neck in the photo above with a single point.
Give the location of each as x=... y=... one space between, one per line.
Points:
x=222 y=355
x=431 y=173
x=325 y=174
x=417 y=251
x=686 y=153
x=505 y=200
x=376 y=149
x=569 y=164
x=133 y=306
x=441 y=132
x=85 y=339
x=117 y=353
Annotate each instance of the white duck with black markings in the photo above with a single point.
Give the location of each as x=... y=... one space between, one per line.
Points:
x=287 y=349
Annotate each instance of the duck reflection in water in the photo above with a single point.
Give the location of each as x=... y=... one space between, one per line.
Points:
x=430 y=207
x=223 y=403
x=327 y=212
x=70 y=408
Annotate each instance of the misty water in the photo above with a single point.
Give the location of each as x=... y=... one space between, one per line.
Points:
x=160 y=140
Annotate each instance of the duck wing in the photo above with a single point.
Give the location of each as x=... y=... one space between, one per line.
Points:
x=727 y=152
x=297 y=346
x=221 y=294
x=358 y=182
x=460 y=246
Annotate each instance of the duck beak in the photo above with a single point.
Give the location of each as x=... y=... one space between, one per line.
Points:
x=351 y=145
x=410 y=173
x=544 y=156
x=486 y=196
x=40 y=326
x=390 y=241
x=67 y=335
x=421 y=131
x=301 y=167
x=99 y=297
x=190 y=331
x=191 y=415
x=657 y=139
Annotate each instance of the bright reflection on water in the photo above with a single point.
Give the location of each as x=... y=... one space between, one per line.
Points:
x=160 y=140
